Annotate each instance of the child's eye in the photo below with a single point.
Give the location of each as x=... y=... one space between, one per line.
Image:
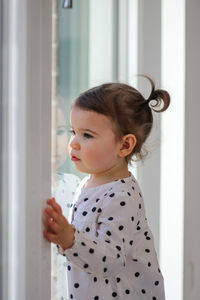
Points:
x=60 y=131
x=87 y=136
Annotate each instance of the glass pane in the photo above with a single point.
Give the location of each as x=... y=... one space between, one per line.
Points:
x=84 y=55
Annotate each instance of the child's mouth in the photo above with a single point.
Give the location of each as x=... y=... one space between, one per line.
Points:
x=74 y=158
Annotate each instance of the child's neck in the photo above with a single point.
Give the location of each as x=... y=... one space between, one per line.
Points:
x=107 y=176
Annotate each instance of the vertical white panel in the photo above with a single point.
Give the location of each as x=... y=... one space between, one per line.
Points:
x=26 y=147
x=123 y=30
x=132 y=16
x=38 y=146
x=172 y=147
x=101 y=46
x=149 y=62
x=192 y=150
x=132 y=51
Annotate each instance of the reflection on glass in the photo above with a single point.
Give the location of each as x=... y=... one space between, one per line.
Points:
x=63 y=184
x=63 y=188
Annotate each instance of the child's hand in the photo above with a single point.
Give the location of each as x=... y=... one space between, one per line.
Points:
x=58 y=231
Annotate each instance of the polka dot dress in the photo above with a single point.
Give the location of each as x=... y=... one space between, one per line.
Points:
x=113 y=256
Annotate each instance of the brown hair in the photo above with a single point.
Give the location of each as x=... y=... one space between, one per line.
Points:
x=127 y=108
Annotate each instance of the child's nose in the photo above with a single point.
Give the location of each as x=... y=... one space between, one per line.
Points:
x=74 y=144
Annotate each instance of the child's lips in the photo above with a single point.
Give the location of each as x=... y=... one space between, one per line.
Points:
x=74 y=158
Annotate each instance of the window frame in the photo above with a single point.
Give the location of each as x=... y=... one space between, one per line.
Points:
x=26 y=138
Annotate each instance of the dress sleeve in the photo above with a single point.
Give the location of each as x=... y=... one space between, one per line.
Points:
x=104 y=253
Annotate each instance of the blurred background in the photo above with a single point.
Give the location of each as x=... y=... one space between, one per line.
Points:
x=51 y=51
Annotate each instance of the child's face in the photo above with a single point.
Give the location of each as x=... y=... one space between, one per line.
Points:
x=93 y=146
x=59 y=138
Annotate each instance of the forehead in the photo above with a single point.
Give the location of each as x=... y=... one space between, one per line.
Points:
x=80 y=119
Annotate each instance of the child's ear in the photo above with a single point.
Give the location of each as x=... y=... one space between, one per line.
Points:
x=128 y=143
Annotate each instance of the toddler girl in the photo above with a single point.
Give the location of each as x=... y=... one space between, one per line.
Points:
x=107 y=242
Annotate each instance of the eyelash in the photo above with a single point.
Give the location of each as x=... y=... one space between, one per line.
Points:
x=72 y=132
x=85 y=135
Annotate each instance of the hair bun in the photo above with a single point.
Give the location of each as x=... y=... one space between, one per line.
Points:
x=159 y=96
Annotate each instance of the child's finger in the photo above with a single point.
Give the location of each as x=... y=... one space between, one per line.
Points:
x=51 y=237
x=52 y=202
x=52 y=214
x=53 y=225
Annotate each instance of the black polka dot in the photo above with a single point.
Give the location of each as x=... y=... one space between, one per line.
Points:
x=129 y=194
x=122 y=180
x=110 y=218
x=96 y=298
x=69 y=268
x=135 y=260
x=104 y=259
x=148 y=238
x=121 y=227
x=71 y=296
x=91 y=251
x=114 y=295
x=107 y=241
x=108 y=233
x=127 y=292
x=133 y=188
x=82 y=243
x=138 y=227
x=118 y=279
x=84 y=213
x=118 y=248
x=75 y=209
x=137 y=274
x=76 y=285
x=140 y=194
x=87 y=229
x=95 y=242
x=118 y=256
x=75 y=254
x=93 y=209
x=86 y=199
x=156 y=282
x=122 y=203
x=146 y=232
x=105 y=270
x=132 y=219
x=154 y=298
x=143 y=291
x=131 y=242
x=112 y=195
x=140 y=206
x=86 y=266
x=106 y=281
x=158 y=270
x=95 y=279
x=147 y=250
x=97 y=199
x=149 y=264
x=99 y=210
x=123 y=240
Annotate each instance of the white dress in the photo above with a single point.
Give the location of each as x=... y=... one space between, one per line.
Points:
x=64 y=195
x=113 y=256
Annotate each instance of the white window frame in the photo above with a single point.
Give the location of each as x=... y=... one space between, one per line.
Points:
x=26 y=140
